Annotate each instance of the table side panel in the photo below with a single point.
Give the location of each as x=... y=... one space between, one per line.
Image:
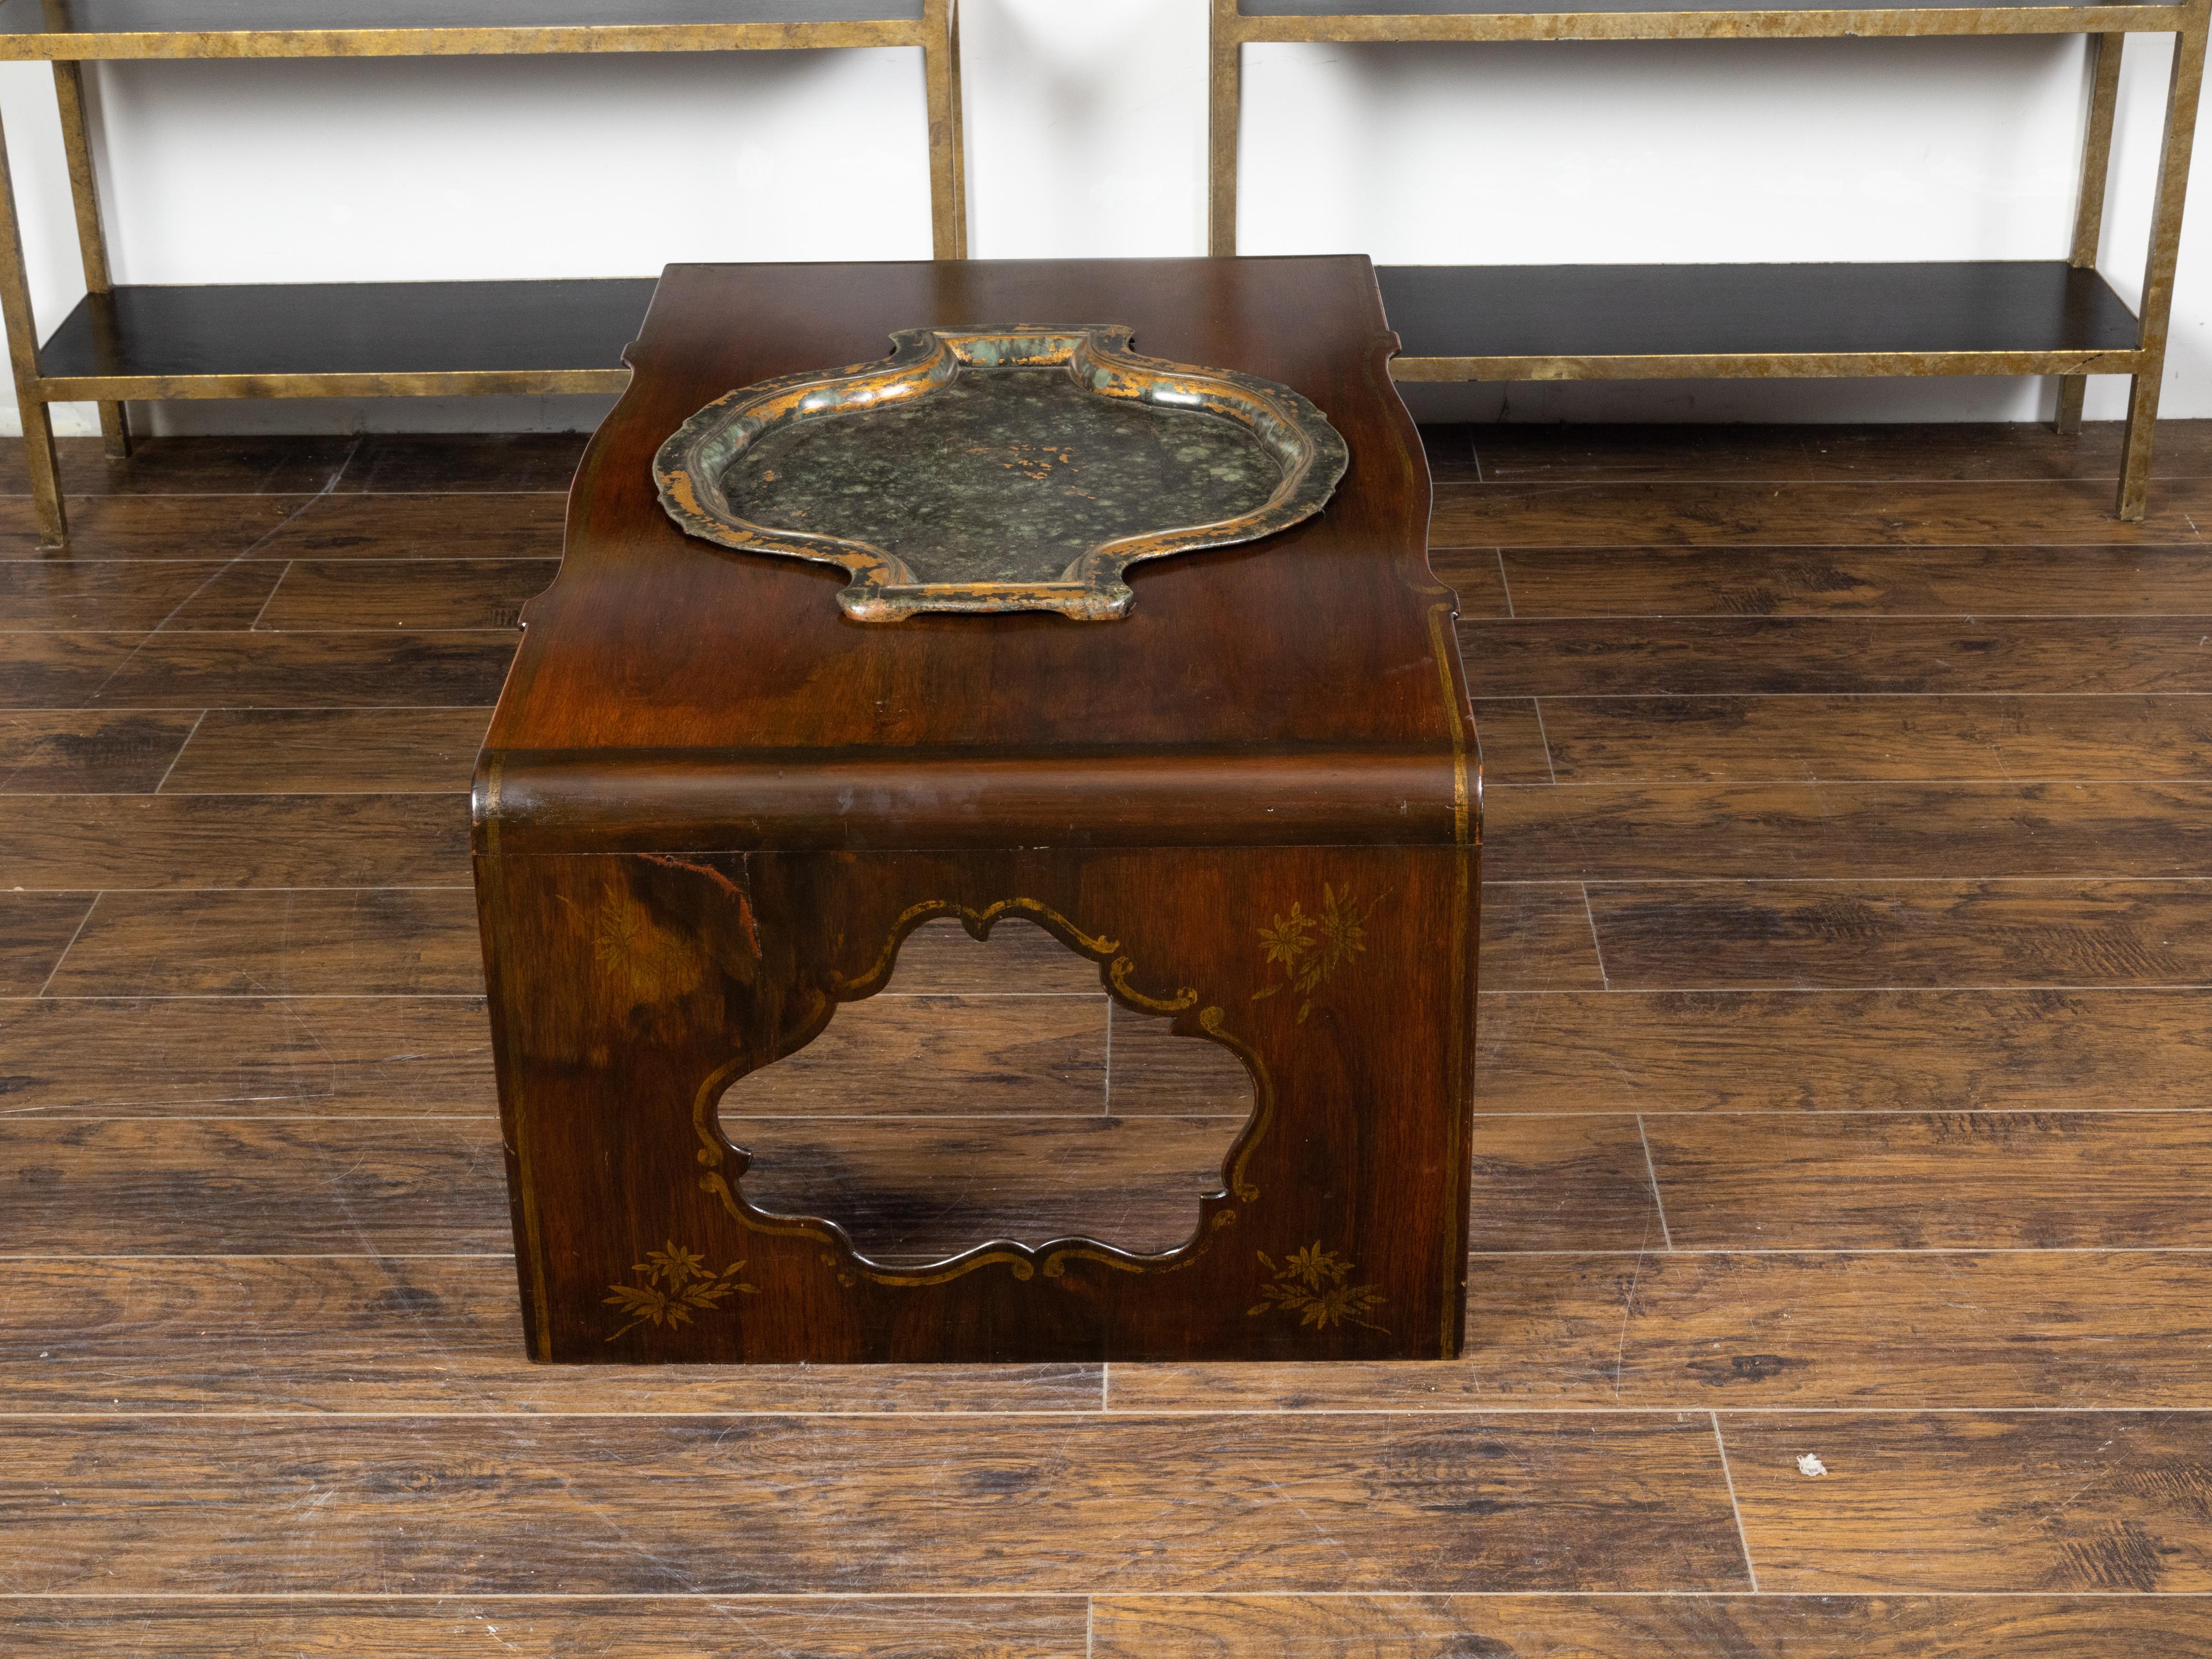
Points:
x=629 y=992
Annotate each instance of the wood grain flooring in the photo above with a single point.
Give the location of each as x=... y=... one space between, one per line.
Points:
x=1977 y=738
x=1865 y=1051
x=1896 y=513
x=304 y=752
x=1825 y=656
x=372 y=941
x=235 y=841
x=1762 y=1329
x=1711 y=1627
x=1846 y=1013
x=441 y=1505
x=58 y=751
x=319 y=1057
x=1789 y=581
x=1980 y=1501
x=1693 y=831
x=1798 y=454
x=629 y=1628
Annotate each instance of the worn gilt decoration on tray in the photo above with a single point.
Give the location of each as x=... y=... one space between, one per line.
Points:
x=999 y=469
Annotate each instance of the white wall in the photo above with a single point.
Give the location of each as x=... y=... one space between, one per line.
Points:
x=1086 y=129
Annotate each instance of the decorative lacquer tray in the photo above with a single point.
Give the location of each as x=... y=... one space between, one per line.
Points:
x=999 y=469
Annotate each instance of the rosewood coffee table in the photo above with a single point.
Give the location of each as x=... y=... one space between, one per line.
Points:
x=723 y=785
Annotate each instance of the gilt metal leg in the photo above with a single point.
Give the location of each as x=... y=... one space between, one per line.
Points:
x=2158 y=271
x=959 y=141
x=2089 y=209
x=92 y=244
x=941 y=84
x=1225 y=103
x=2072 y=389
x=23 y=358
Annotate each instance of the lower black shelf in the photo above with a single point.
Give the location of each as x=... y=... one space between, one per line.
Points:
x=326 y=329
x=2006 y=308
x=1485 y=322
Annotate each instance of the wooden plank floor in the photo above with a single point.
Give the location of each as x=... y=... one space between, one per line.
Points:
x=1847 y=1015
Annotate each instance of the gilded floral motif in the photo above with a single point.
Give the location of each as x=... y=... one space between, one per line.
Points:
x=678 y=1284
x=621 y=931
x=1310 y=948
x=630 y=948
x=1311 y=1283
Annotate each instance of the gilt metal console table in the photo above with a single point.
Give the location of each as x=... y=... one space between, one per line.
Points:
x=728 y=777
x=2056 y=317
x=380 y=339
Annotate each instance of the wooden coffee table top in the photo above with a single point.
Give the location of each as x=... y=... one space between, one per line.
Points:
x=669 y=693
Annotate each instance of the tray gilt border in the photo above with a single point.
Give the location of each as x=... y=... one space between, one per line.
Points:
x=884 y=588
